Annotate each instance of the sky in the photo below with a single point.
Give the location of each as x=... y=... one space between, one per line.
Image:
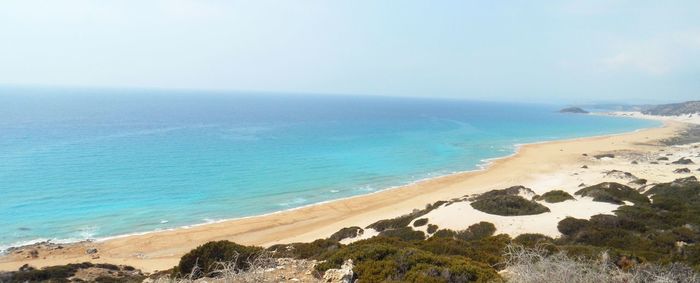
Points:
x=566 y=51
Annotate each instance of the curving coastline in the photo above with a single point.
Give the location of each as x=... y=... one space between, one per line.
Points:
x=161 y=249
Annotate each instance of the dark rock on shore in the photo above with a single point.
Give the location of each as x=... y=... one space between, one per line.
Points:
x=606 y=155
x=683 y=161
x=681 y=171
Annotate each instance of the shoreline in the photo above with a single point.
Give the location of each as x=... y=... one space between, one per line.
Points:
x=156 y=250
x=483 y=165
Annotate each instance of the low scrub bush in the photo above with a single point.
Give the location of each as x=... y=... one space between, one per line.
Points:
x=59 y=273
x=533 y=240
x=420 y=222
x=508 y=205
x=554 y=196
x=404 y=220
x=477 y=231
x=205 y=258
x=405 y=233
x=392 y=260
x=66 y=273
x=445 y=233
x=614 y=193
x=570 y=226
x=432 y=228
x=312 y=250
x=347 y=232
x=487 y=250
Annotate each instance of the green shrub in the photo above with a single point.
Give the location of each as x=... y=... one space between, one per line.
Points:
x=554 y=196
x=432 y=228
x=208 y=255
x=488 y=250
x=445 y=233
x=404 y=220
x=59 y=273
x=420 y=222
x=315 y=249
x=393 y=260
x=347 y=232
x=570 y=226
x=511 y=191
x=405 y=233
x=477 y=231
x=508 y=205
x=107 y=266
x=614 y=193
x=614 y=222
x=532 y=240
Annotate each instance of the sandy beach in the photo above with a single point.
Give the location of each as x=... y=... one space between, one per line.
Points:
x=542 y=167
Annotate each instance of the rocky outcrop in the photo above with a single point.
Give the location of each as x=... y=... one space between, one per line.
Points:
x=681 y=171
x=574 y=110
x=342 y=275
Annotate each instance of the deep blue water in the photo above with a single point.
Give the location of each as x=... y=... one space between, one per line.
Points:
x=77 y=164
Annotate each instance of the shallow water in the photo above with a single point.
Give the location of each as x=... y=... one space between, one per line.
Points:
x=80 y=164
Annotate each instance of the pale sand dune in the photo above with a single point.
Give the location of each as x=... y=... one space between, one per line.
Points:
x=461 y=215
x=539 y=166
x=690 y=118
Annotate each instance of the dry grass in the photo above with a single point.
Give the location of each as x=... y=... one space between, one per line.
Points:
x=525 y=265
x=260 y=270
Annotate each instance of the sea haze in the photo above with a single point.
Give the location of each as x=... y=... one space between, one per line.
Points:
x=83 y=164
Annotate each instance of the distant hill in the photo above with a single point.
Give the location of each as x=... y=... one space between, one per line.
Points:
x=576 y=110
x=675 y=109
x=617 y=107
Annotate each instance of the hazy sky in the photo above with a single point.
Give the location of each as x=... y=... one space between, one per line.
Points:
x=573 y=51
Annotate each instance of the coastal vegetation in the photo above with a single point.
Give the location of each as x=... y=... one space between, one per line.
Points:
x=347 y=232
x=614 y=193
x=99 y=272
x=554 y=196
x=651 y=235
x=404 y=220
x=420 y=222
x=204 y=259
x=508 y=202
x=674 y=109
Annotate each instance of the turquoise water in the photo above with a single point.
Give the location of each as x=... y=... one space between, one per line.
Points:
x=85 y=164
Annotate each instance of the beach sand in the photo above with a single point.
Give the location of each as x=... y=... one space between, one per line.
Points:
x=542 y=166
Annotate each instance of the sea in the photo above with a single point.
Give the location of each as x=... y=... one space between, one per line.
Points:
x=82 y=163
